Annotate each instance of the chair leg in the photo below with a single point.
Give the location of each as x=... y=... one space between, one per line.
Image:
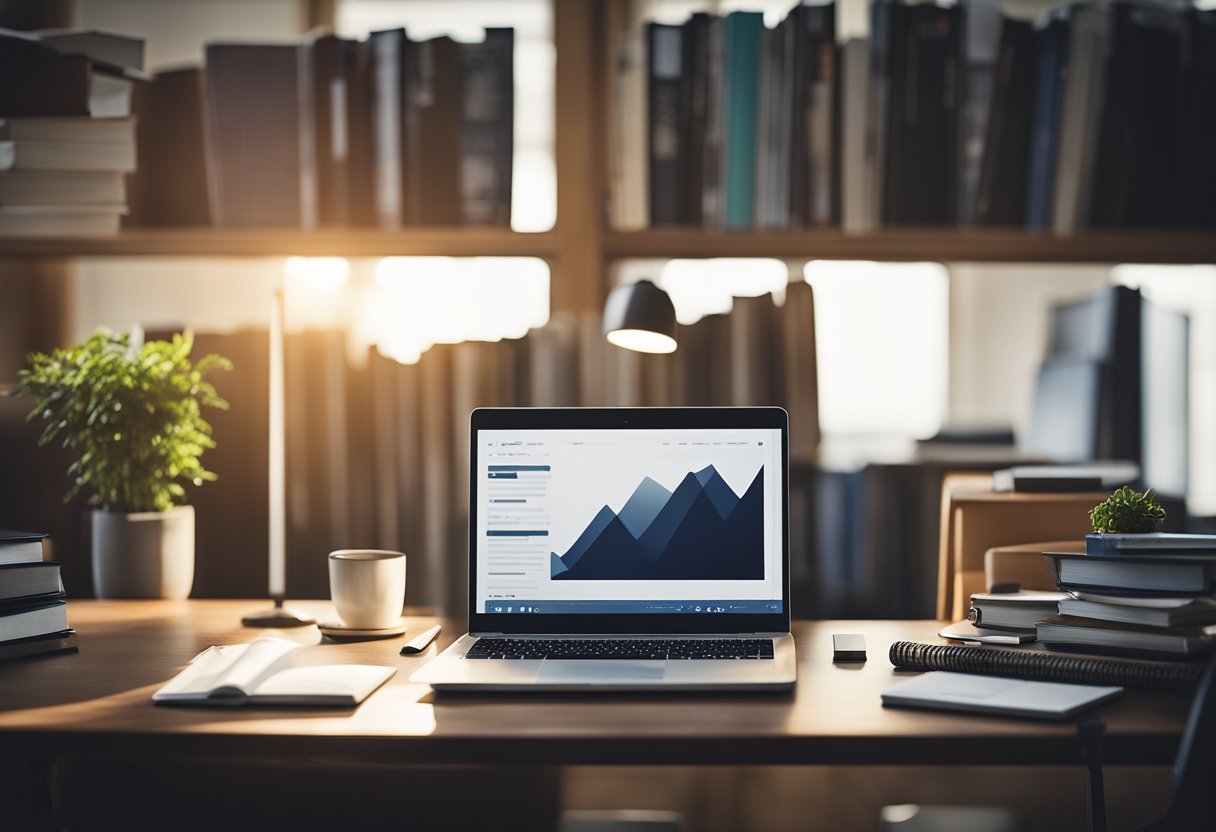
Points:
x=1089 y=732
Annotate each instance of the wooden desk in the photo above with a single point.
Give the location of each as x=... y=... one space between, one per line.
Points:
x=98 y=700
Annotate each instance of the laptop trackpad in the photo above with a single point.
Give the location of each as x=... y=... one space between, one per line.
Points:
x=592 y=672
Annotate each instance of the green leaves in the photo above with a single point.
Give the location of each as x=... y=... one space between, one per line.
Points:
x=132 y=417
x=1128 y=512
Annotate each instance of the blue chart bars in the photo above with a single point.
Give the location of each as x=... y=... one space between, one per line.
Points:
x=702 y=531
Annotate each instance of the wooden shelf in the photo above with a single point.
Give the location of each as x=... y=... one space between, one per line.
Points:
x=939 y=245
x=979 y=246
x=209 y=242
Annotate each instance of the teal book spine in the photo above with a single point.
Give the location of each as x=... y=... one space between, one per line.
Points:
x=741 y=86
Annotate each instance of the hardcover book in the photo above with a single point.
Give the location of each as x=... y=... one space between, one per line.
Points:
x=487 y=80
x=741 y=33
x=1160 y=575
x=20 y=547
x=253 y=135
x=664 y=101
x=1173 y=642
x=922 y=123
x=387 y=71
x=432 y=133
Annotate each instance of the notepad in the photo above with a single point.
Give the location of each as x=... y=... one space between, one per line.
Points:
x=268 y=672
x=942 y=690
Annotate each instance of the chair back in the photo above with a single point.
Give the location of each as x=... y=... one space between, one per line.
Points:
x=1193 y=805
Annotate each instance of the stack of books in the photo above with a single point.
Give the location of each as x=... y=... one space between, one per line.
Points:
x=1007 y=615
x=1137 y=594
x=67 y=140
x=33 y=614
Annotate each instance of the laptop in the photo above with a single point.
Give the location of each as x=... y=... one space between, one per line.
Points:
x=625 y=549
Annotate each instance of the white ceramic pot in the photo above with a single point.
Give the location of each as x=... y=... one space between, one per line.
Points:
x=148 y=554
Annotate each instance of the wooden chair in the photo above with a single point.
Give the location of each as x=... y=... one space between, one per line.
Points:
x=1023 y=563
x=974 y=519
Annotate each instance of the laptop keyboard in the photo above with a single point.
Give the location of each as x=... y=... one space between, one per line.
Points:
x=621 y=648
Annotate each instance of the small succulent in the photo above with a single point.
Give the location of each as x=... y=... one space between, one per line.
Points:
x=1128 y=512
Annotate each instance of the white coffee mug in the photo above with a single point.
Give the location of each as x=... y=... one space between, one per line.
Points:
x=367 y=587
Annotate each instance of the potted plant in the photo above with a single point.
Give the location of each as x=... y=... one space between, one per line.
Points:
x=1128 y=512
x=131 y=412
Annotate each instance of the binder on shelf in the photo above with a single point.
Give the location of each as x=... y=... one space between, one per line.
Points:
x=814 y=152
x=982 y=43
x=253 y=135
x=328 y=86
x=1000 y=194
x=664 y=103
x=695 y=97
x=1137 y=173
x=856 y=189
x=1051 y=36
x=170 y=186
x=432 y=133
x=630 y=175
x=1080 y=111
x=740 y=90
x=922 y=124
x=388 y=81
x=487 y=80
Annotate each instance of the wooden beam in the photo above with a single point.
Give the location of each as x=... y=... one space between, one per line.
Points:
x=578 y=280
x=320 y=14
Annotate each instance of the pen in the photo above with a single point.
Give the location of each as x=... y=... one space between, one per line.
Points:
x=420 y=643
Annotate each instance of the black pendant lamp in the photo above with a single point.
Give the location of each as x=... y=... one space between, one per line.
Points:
x=640 y=316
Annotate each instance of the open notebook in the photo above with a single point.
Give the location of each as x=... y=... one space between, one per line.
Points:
x=266 y=672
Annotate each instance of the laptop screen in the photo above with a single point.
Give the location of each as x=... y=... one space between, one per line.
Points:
x=638 y=521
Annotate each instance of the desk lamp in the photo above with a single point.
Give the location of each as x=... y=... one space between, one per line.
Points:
x=640 y=316
x=278 y=615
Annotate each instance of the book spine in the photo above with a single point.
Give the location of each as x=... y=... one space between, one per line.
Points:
x=487 y=106
x=713 y=149
x=981 y=38
x=818 y=109
x=1049 y=87
x=923 y=125
x=741 y=80
x=1167 y=677
x=882 y=13
x=1000 y=198
x=433 y=126
x=386 y=100
x=664 y=65
x=253 y=135
x=630 y=207
x=360 y=185
x=693 y=115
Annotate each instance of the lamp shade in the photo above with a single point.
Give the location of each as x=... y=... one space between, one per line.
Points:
x=640 y=316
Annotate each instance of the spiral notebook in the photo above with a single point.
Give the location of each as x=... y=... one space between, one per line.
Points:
x=1029 y=663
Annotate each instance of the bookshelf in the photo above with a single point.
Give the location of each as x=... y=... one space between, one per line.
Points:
x=938 y=245
x=934 y=244
x=581 y=247
x=248 y=242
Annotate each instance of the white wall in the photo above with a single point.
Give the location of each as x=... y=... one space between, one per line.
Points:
x=175 y=30
x=998 y=332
